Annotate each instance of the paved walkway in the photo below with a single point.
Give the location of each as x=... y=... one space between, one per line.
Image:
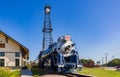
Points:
x=52 y=75
x=110 y=68
x=26 y=73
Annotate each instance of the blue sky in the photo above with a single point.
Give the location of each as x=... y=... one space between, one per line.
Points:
x=93 y=24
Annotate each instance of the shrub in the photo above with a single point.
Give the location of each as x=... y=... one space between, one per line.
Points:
x=29 y=66
x=15 y=73
x=6 y=72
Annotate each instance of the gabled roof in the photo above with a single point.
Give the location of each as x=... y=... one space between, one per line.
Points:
x=26 y=51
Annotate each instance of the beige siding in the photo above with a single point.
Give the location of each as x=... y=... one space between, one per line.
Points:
x=2 y=38
x=9 y=59
x=10 y=48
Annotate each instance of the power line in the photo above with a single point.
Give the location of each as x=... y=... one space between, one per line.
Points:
x=113 y=56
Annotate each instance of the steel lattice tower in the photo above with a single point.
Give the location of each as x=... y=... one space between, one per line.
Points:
x=47 y=30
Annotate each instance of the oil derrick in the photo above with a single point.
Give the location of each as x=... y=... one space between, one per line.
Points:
x=47 y=30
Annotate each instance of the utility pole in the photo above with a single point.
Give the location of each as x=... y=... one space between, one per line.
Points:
x=113 y=57
x=102 y=61
x=89 y=58
x=106 y=57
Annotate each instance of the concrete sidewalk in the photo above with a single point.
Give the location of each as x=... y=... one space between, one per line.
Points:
x=26 y=73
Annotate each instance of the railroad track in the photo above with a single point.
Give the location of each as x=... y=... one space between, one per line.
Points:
x=76 y=75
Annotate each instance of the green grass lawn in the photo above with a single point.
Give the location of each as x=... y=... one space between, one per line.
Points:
x=100 y=72
x=97 y=72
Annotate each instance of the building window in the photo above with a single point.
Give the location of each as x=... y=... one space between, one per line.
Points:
x=17 y=54
x=1 y=62
x=17 y=62
x=2 y=45
x=2 y=54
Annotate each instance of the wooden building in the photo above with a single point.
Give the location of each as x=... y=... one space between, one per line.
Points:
x=12 y=53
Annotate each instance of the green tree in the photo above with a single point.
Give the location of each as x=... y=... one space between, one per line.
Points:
x=114 y=62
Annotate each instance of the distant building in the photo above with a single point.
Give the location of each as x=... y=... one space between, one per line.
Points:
x=12 y=53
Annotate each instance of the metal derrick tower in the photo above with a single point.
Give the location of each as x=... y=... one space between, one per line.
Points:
x=47 y=38
x=47 y=30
